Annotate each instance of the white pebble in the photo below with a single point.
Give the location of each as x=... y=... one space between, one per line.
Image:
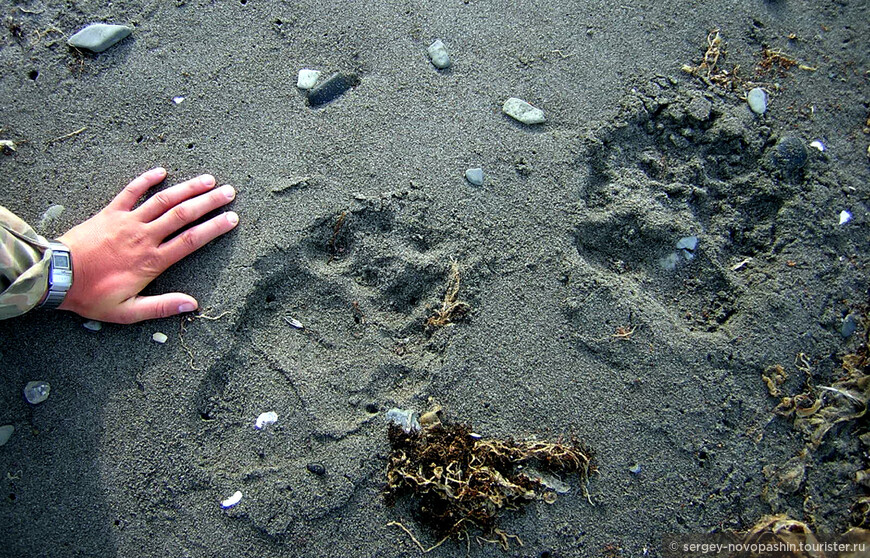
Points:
x=523 y=111
x=845 y=217
x=159 y=338
x=757 y=99
x=439 y=55
x=293 y=322
x=232 y=500
x=6 y=433
x=474 y=176
x=818 y=145
x=266 y=419
x=307 y=78
x=178 y=100
x=36 y=392
x=92 y=325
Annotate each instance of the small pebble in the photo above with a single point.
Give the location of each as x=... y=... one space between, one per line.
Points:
x=317 y=469
x=159 y=337
x=850 y=325
x=51 y=214
x=474 y=176
x=789 y=154
x=523 y=111
x=335 y=86
x=687 y=243
x=265 y=419
x=757 y=99
x=293 y=322
x=818 y=145
x=99 y=36
x=92 y=325
x=232 y=500
x=178 y=99
x=635 y=470
x=36 y=392
x=408 y=420
x=439 y=55
x=6 y=433
x=307 y=78
x=845 y=217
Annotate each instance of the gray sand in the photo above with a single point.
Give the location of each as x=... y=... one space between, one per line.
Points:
x=559 y=249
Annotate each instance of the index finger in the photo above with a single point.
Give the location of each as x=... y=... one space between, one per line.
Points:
x=126 y=200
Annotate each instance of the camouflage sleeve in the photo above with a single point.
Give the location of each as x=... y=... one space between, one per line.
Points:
x=24 y=259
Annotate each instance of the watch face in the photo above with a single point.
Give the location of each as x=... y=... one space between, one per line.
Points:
x=60 y=259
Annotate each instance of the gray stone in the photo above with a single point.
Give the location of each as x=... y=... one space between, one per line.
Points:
x=6 y=433
x=635 y=470
x=789 y=154
x=333 y=87
x=850 y=325
x=475 y=176
x=439 y=55
x=523 y=111
x=99 y=36
x=36 y=392
x=757 y=99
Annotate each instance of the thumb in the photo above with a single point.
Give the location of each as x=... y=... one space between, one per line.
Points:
x=139 y=308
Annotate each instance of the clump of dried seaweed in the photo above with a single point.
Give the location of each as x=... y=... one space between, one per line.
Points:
x=783 y=537
x=461 y=481
x=709 y=70
x=452 y=309
x=817 y=410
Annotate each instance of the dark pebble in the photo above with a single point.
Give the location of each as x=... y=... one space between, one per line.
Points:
x=317 y=469
x=850 y=325
x=335 y=86
x=790 y=154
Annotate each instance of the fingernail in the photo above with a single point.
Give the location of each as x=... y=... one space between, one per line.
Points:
x=207 y=179
x=233 y=218
x=186 y=307
x=229 y=192
x=159 y=170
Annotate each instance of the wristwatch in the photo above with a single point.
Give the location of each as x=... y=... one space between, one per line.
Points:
x=60 y=275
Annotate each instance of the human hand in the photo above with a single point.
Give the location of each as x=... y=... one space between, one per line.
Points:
x=118 y=251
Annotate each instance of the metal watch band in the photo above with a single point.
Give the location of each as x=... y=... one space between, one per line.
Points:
x=59 y=275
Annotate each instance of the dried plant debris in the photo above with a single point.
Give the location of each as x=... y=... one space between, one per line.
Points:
x=462 y=482
x=819 y=408
x=783 y=537
x=710 y=69
x=452 y=309
x=773 y=378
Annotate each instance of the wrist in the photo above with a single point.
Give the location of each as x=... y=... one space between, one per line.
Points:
x=60 y=275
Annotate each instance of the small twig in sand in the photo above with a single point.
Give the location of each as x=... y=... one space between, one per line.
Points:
x=413 y=538
x=624 y=333
x=561 y=54
x=66 y=136
x=186 y=320
x=335 y=232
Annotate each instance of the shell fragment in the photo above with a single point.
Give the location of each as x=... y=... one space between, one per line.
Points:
x=159 y=337
x=232 y=500
x=266 y=419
